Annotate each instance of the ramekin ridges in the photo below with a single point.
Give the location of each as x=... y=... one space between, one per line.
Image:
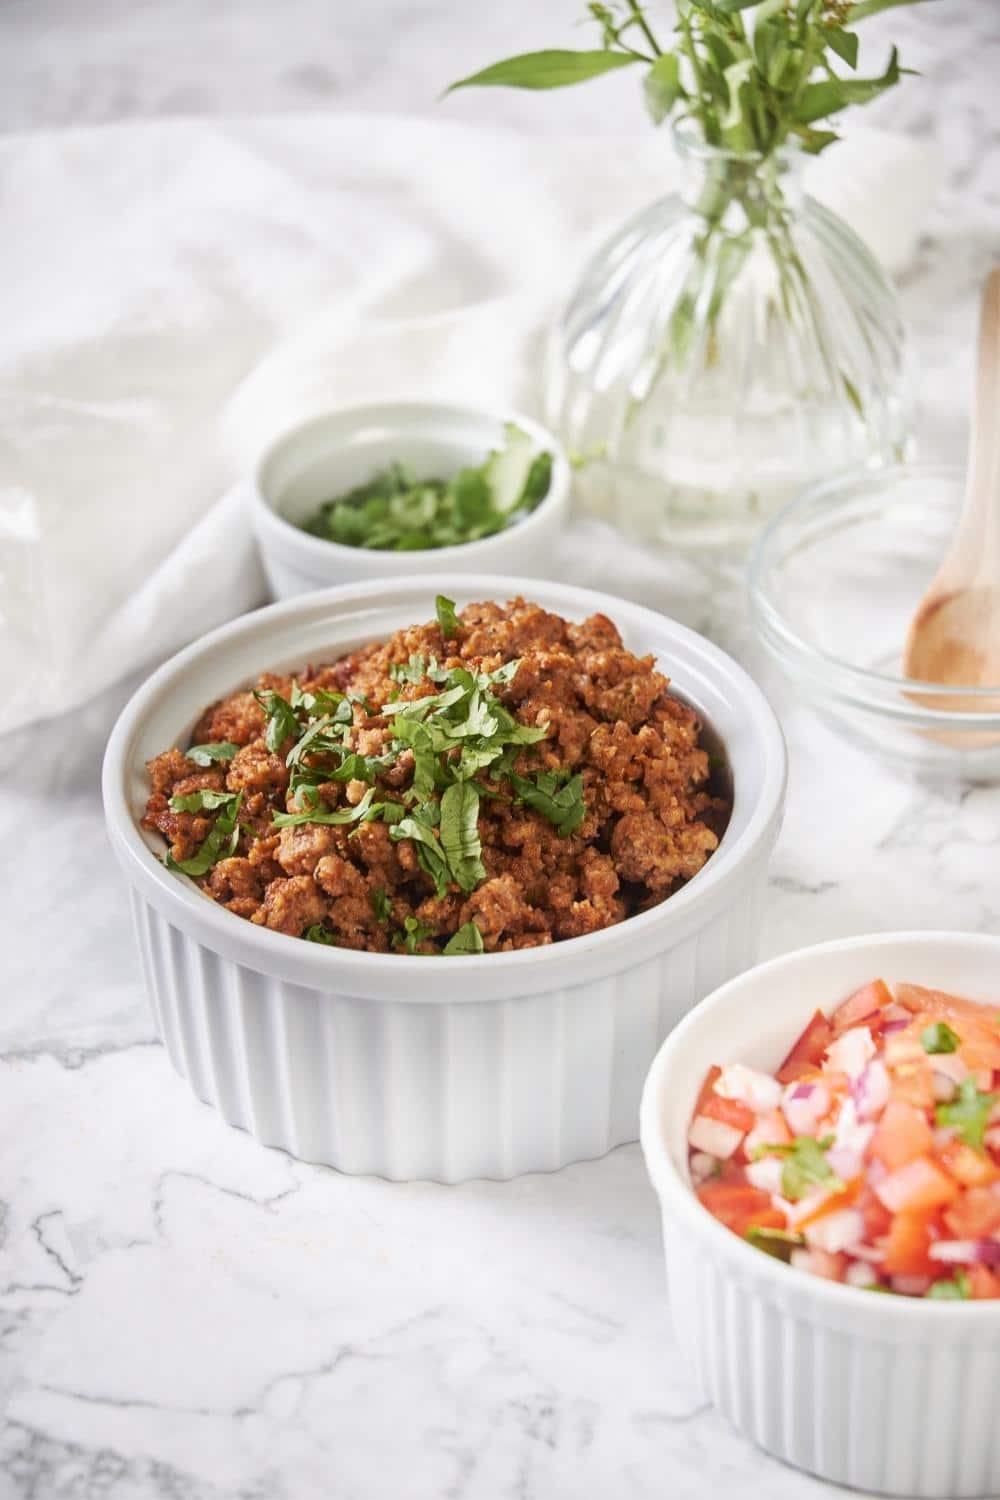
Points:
x=889 y=1394
x=445 y=1068
x=331 y=452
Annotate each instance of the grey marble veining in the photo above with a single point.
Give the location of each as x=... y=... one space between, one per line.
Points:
x=187 y=1316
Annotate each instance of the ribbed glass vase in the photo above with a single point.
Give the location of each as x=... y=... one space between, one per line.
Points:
x=731 y=344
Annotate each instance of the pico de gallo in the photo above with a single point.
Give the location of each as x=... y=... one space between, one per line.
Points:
x=872 y=1156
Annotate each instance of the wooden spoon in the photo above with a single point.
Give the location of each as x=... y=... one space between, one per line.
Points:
x=954 y=637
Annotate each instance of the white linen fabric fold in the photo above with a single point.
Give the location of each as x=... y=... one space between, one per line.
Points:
x=174 y=293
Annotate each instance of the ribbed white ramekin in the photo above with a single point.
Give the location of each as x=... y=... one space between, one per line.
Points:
x=449 y=1068
x=883 y=1393
x=332 y=452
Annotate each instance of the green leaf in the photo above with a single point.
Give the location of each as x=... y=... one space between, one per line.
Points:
x=460 y=834
x=556 y=798
x=865 y=8
x=429 y=851
x=819 y=100
x=777 y=1242
x=204 y=800
x=317 y=933
x=333 y=816
x=662 y=87
x=417 y=933
x=968 y=1114
x=468 y=939
x=805 y=1164
x=220 y=842
x=204 y=755
x=958 y=1290
x=939 y=1038
x=446 y=616
x=381 y=906
x=282 y=723
x=844 y=43
x=552 y=69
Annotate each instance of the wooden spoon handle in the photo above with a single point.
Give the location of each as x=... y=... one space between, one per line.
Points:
x=980 y=525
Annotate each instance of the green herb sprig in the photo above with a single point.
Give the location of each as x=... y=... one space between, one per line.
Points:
x=749 y=75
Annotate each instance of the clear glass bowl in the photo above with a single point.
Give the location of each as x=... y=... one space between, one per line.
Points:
x=835 y=580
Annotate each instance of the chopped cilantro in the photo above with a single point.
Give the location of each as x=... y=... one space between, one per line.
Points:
x=556 y=798
x=777 y=1242
x=967 y=1115
x=939 y=1038
x=317 y=933
x=447 y=616
x=205 y=800
x=381 y=906
x=220 y=841
x=460 y=834
x=282 y=723
x=326 y=815
x=204 y=755
x=397 y=511
x=805 y=1164
x=417 y=932
x=956 y=1290
x=468 y=939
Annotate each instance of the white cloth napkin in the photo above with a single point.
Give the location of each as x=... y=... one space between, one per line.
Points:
x=174 y=293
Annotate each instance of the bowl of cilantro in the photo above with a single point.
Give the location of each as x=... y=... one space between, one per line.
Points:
x=405 y=488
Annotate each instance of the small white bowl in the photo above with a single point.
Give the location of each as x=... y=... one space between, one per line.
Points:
x=330 y=454
x=482 y=1066
x=891 y=1394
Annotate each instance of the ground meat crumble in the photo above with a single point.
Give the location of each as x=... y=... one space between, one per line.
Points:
x=651 y=818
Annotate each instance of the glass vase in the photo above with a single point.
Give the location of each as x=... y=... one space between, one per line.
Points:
x=730 y=345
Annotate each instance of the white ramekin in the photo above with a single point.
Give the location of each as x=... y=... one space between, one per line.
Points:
x=889 y=1394
x=329 y=454
x=447 y=1068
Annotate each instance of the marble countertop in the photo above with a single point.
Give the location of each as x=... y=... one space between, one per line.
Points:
x=188 y=1316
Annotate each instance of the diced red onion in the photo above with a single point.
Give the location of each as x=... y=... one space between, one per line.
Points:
x=802 y=1090
x=870 y=1090
x=851 y=1052
x=899 y=1023
x=804 y=1106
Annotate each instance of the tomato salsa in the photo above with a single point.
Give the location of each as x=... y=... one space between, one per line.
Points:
x=872 y=1156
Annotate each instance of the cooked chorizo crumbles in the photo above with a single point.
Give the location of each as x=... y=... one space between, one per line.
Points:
x=496 y=779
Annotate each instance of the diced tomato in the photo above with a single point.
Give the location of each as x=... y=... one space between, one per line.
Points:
x=920 y=1184
x=966 y=1165
x=979 y=1047
x=730 y=1111
x=942 y=1006
x=907 y=1244
x=875 y=1214
x=739 y=1206
x=974 y=1215
x=833 y=1204
x=913 y=1083
x=864 y=1007
x=808 y=1051
x=983 y=1282
x=707 y=1090
x=901 y=1135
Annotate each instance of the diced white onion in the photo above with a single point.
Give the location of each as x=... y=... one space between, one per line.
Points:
x=759 y=1090
x=803 y=1106
x=953 y=1250
x=851 y=1052
x=871 y=1090
x=766 y=1174
x=714 y=1136
x=702 y=1166
x=911 y=1286
x=835 y=1231
x=859 y=1273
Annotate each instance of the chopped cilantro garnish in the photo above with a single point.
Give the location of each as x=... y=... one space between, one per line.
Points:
x=956 y=1290
x=325 y=815
x=939 y=1038
x=204 y=755
x=468 y=939
x=282 y=723
x=220 y=841
x=416 y=932
x=460 y=834
x=556 y=798
x=381 y=906
x=204 y=800
x=398 y=512
x=777 y=1242
x=447 y=616
x=967 y=1115
x=805 y=1164
x=317 y=933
